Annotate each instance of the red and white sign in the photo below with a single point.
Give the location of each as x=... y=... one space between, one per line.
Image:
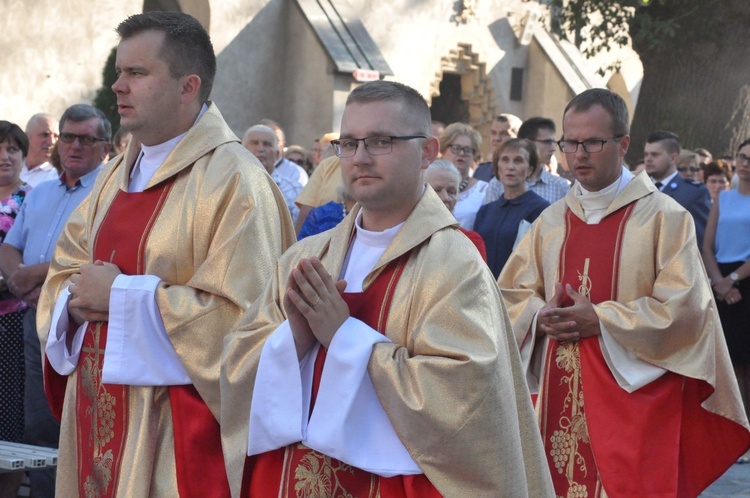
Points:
x=366 y=75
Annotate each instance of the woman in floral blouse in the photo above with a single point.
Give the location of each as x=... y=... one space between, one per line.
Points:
x=13 y=148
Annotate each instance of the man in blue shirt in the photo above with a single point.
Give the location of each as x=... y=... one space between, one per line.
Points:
x=84 y=142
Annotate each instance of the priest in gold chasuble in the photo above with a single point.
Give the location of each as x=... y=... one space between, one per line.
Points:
x=380 y=361
x=178 y=237
x=618 y=329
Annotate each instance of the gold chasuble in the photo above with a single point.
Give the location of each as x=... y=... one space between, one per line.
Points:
x=300 y=471
x=640 y=268
x=450 y=381
x=210 y=224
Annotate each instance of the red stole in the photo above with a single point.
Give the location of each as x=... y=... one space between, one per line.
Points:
x=300 y=471
x=102 y=409
x=651 y=442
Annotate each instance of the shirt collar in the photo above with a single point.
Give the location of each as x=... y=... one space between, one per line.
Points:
x=85 y=180
x=667 y=180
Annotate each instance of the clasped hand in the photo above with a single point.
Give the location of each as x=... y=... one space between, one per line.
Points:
x=571 y=323
x=90 y=290
x=314 y=305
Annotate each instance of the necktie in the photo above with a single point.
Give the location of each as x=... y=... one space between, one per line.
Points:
x=658 y=185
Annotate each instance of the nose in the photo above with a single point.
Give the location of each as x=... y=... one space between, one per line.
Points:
x=361 y=154
x=118 y=86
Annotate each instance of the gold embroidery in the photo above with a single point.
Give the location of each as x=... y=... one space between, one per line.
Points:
x=102 y=414
x=585 y=288
x=318 y=477
x=573 y=430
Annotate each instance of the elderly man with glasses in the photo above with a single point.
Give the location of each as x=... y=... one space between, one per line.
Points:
x=27 y=250
x=618 y=329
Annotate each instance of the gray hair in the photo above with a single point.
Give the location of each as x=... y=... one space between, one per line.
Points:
x=83 y=112
x=444 y=165
x=263 y=129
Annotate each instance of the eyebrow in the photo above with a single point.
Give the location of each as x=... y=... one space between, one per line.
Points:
x=130 y=69
x=374 y=133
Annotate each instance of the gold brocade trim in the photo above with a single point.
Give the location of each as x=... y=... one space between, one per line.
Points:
x=573 y=432
x=147 y=231
x=319 y=476
x=385 y=306
x=103 y=418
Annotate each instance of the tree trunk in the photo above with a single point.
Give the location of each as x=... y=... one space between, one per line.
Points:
x=698 y=84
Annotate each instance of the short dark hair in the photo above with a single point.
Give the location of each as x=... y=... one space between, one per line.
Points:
x=669 y=140
x=382 y=91
x=516 y=144
x=187 y=48
x=746 y=142
x=83 y=112
x=612 y=103
x=530 y=128
x=13 y=133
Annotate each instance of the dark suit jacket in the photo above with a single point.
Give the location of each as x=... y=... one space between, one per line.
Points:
x=694 y=197
x=484 y=172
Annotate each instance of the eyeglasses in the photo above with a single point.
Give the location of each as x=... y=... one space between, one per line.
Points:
x=69 y=138
x=685 y=169
x=300 y=162
x=458 y=149
x=590 y=146
x=742 y=157
x=375 y=146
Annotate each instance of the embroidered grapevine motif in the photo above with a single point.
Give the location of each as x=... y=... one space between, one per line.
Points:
x=317 y=477
x=100 y=408
x=573 y=431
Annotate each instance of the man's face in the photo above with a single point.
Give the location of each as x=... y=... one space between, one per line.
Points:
x=545 y=145
x=42 y=137
x=659 y=163
x=78 y=159
x=594 y=170
x=388 y=184
x=261 y=144
x=499 y=133
x=147 y=96
x=445 y=185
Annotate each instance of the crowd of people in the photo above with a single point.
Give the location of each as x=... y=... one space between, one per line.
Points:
x=185 y=313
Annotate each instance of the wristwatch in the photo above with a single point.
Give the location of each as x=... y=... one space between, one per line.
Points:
x=734 y=277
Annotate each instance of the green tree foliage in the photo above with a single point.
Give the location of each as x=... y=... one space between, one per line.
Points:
x=105 y=99
x=695 y=56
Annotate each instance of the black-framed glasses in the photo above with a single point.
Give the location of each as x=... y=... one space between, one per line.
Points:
x=590 y=146
x=376 y=146
x=460 y=149
x=742 y=157
x=69 y=138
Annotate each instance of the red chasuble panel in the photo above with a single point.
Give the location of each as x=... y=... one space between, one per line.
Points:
x=300 y=471
x=102 y=409
x=656 y=441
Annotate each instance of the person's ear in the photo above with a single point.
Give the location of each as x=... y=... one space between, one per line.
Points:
x=191 y=87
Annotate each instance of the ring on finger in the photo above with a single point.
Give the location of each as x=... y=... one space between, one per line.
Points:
x=317 y=301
